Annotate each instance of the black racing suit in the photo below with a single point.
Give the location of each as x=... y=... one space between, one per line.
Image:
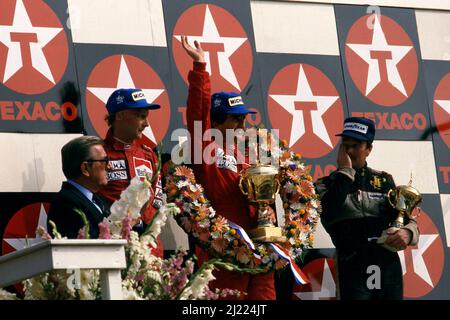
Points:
x=355 y=211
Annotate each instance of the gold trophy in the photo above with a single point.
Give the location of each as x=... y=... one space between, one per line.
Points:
x=260 y=184
x=404 y=199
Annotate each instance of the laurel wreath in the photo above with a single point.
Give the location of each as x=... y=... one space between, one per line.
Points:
x=213 y=232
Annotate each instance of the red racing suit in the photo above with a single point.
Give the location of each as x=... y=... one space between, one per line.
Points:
x=220 y=180
x=125 y=162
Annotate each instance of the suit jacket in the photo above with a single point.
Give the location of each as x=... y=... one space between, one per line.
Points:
x=68 y=221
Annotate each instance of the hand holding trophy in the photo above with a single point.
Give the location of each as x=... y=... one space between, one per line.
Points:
x=404 y=199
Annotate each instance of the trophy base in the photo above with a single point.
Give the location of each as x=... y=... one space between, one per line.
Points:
x=267 y=234
x=383 y=238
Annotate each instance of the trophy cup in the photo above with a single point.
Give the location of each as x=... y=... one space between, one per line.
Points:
x=404 y=199
x=260 y=184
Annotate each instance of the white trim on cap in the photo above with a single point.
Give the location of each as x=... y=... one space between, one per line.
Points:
x=355 y=126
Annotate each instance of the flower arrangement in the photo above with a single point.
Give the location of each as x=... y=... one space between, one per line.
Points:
x=146 y=276
x=223 y=239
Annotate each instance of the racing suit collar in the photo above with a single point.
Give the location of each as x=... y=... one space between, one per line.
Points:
x=118 y=145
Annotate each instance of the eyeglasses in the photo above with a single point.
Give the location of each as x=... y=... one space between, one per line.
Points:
x=105 y=160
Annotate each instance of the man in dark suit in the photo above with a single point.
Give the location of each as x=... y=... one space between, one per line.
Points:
x=84 y=163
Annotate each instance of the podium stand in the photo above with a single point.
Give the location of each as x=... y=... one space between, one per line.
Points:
x=106 y=255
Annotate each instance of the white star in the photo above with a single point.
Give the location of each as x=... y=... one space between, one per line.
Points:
x=419 y=266
x=379 y=44
x=210 y=35
x=444 y=104
x=125 y=80
x=22 y=243
x=320 y=105
x=38 y=38
x=327 y=287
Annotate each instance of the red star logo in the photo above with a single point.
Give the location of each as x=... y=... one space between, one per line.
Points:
x=21 y=229
x=423 y=264
x=322 y=286
x=441 y=108
x=227 y=49
x=33 y=46
x=305 y=106
x=125 y=71
x=381 y=60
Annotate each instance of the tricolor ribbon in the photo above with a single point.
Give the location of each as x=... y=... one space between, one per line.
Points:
x=241 y=232
x=299 y=276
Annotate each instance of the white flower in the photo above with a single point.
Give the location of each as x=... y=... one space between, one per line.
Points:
x=182 y=183
x=33 y=289
x=131 y=201
x=296 y=206
x=314 y=203
x=5 y=295
x=302 y=237
x=155 y=276
x=187 y=207
x=212 y=212
x=197 y=287
x=289 y=187
x=128 y=292
x=159 y=220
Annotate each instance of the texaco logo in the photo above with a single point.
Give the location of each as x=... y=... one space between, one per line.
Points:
x=125 y=71
x=423 y=264
x=227 y=49
x=33 y=46
x=441 y=108
x=305 y=106
x=322 y=274
x=381 y=60
x=21 y=229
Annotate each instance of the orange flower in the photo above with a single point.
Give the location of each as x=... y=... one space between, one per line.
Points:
x=182 y=171
x=233 y=231
x=219 y=244
x=242 y=254
x=306 y=188
x=203 y=212
x=220 y=223
x=286 y=155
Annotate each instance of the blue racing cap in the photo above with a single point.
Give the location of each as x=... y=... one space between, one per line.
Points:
x=358 y=128
x=122 y=99
x=228 y=103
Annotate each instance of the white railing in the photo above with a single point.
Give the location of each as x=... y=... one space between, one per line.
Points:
x=106 y=255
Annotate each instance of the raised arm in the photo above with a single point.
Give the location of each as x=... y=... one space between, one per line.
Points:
x=199 y=97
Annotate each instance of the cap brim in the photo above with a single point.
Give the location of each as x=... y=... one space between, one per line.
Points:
x=353 y=135
x=241 y=110
x=153 y=106
x=150 y=106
